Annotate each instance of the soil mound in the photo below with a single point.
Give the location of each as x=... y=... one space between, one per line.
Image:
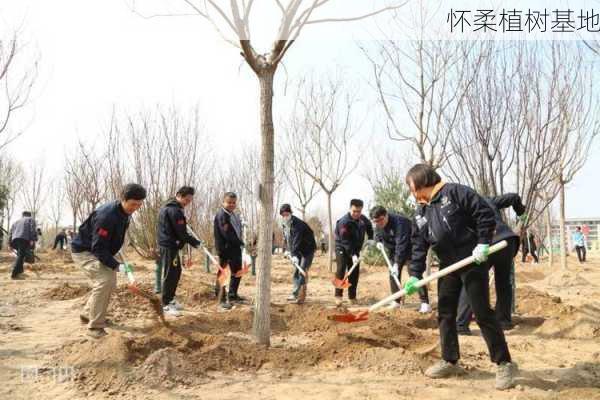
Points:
x=67 y=291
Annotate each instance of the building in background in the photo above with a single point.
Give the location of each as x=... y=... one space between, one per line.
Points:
x=589 y=226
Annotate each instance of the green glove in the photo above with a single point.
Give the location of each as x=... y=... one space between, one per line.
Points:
x=523 y=218
x=409 y=286
x=481 y=253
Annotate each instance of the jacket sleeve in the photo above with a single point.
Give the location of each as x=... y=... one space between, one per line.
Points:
x=420 y=246
x=101 y=235
x=33 y=230
x=296 y=234
x=369 y=228
x=226 y=231
x=10 y=233
x=343 y=234
x=179 y=224
x=509 y=200
x=475 y=206
x=402 y=239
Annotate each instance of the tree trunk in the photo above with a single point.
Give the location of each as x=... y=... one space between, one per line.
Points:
x=74 y=222
x=261 y=325
x=331 y=246
x=549 y=236
x=563 y=245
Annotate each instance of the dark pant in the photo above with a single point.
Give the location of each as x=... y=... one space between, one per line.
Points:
x=344 y=263
x=423 y=294
x=580 y=253
x=475 y=280
x=60 y=242
x=22 y=247
x=533 y=254
x=299 y=280
x=234 y=262
x=502 y=262
x=171 y=272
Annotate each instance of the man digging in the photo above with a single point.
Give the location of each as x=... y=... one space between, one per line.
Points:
x=98 y=239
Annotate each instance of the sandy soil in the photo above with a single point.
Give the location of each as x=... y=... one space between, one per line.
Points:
x=207 y=354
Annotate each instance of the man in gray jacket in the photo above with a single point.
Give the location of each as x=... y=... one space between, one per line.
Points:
x=22 y=237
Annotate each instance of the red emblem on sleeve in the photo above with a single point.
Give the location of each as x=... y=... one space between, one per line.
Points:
x=103 y=232
x=181 y=222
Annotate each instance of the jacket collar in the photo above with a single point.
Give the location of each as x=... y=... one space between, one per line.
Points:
x=436 y=190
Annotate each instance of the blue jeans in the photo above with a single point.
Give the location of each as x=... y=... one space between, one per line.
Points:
x=299 y=280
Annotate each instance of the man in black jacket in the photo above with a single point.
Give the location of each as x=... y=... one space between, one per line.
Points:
x=456 y=223
x=22 y=237
x=301 y=244
x=350 y=233
x=394 y=231
x=98 y=240
x=60 y=240
x=228 y=241
x=502 y=262
x=172 y=236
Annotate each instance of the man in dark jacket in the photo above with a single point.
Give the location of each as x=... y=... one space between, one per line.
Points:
x=529 y=246
x=98 y=240
x=172 y=236
x=394 y=231
x=60 y=240
x=502 y=262
x=22 y=237
x=301 y=246
x=228 y=241
x=350 y=233
x=456 y=223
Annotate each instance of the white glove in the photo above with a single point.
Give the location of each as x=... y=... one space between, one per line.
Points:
x=295 y=260
x=371 y=242
x=121 y=268
x=481 y=252
x=395 y=269
x=286 y=254
x=354 y=259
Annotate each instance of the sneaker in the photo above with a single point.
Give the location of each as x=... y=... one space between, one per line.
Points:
x=507 y=326
x=505 y=375
x=291 y=298
x=393 y=305
x=174 y=303
x=171 y=311
x=464 y=331
x=425 y=308
x=339 y=301
x=443 y=369
x=85 y=320
x=225 y=306
x=96 y=333
x=18 y=277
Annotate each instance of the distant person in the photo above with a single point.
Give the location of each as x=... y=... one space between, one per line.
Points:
x=323 y=244
x=22 y=238
x=529 y=246
x=99 y=239
x=60 y=240
x=579 y=242
x=172 y=236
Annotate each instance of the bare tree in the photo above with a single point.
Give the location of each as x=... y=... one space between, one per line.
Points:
x=35 y=190
x=12 y=179
x=57 y=203
x=235 y=19
x=17 y=77
x=320 y=134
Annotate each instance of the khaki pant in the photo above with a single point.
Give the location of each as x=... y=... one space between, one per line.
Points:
x=104 y=281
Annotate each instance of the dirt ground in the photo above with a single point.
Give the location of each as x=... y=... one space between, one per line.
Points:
x=207 y=354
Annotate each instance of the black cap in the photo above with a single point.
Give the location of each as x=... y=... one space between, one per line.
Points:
x=285 y=208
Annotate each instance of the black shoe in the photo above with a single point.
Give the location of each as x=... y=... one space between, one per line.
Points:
x=225 y=306
x=237 y=299
x=464 y=332
x=507 y=326
x=19 y=277
x=96 y=333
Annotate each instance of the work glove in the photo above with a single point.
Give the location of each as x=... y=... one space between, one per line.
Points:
x=409 y=286
x=125 y=267
x=395 y=270
x=481 y=252
x=523 y=218
x=295 y=260
x=354 y=259
x=370 y=242
x=286 y=254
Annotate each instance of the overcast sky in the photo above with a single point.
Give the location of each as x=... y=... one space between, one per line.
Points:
x=96 y=55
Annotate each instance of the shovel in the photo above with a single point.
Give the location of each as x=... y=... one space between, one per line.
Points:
x=381 y=248
x=343 y=283
x=364 y=315
x=299 y=268
x=133 y=288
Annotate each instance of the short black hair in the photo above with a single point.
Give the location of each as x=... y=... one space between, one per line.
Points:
x=185 y=191
x=285 y=208
x=378 y=211
x=133 y=191
x=26 y=214
x=578 y=228
x=230 y=195
x=356 y=203
x=422 y=176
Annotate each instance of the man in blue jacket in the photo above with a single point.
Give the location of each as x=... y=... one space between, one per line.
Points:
x=301 y=244
x=394 y=231
x=456 y=223
x=350 y=231
x=22 y=238
x=172 y=236
x=98 y=240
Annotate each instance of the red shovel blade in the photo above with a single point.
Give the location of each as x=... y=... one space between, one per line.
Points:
x=341 y=283
x=222 y=274
x=243 y=271
x=349 y=317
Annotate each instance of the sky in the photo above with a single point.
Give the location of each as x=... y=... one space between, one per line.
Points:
x=97 y=56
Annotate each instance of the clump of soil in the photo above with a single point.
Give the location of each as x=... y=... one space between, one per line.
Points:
x=125 y=305
x=572 y=323
x=67 y=291
x=535 y=303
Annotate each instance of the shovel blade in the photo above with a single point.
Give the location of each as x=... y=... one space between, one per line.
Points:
x=340 y=283
x=349 y=317
x=242 y=271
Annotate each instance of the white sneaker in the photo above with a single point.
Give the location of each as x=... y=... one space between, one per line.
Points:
x=176 y=304
x=393 y=305
x=425 y=308
x=171 y=311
